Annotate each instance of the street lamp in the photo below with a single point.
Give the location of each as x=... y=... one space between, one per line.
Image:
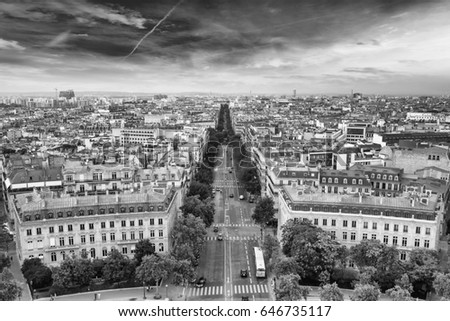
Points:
x=143 y=288
x=167 y=286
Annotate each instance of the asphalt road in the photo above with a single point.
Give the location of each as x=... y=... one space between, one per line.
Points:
x=222 y=261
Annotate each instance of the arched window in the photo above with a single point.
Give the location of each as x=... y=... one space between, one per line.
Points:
x=63 y=255
x=353 y=181
x=37 y=217
x=324 y=180
x=336 y=180
x=345 y=181
x=122 y=210
x=378 y=176
x=92 y=253
x=360 y=182
x=330 y=180
x=53 y=256
x=161 y=247
x=390 y=177
x=384 y=176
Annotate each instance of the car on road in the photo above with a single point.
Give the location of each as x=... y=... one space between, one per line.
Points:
x=200 y=282
x=241 y=197
x=215 y=229
x=220 y=237
x=230 y=171
x=218 y=189
x=251 y=199
x=244 y=273
x=231 y=195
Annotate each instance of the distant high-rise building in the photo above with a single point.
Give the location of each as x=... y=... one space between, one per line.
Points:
x=68 y=94
x=295 y=92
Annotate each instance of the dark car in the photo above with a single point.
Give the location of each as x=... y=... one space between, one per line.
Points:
x=231 y=195
x=251 y=199
x=244 y=298
x=216 y=229
x=200 y=282
x=244 y=273
x=220 y=237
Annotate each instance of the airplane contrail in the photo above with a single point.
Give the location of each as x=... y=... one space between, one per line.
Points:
x=153 y=29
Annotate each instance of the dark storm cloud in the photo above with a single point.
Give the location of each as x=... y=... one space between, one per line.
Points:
x=294 y=40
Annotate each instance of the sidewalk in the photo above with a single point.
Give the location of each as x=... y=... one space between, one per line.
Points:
x=17 y=273
x=172 y=293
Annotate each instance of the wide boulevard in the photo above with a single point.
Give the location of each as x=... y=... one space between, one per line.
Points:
x=222 y=260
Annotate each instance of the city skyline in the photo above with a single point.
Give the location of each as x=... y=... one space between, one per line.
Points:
x=273 y=47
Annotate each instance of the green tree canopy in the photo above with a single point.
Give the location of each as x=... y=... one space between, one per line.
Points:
x=421 y=268
x=202 y=209
x=264 y=211
x=331 y=292
x=271 y=247
x=441 y=284
x=118 y=267
x=10 y=290
x=286 y=266
x=313 y=248
x=188 y=235
x=385 y=260
x=36 y=273
x=289 y=289
x=365 y=292
x=143 y=248
x=155 y=268
x=73 y=272
x=200 y=189
x=5 y=262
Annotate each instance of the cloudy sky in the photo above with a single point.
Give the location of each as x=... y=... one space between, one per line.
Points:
x=227 y=46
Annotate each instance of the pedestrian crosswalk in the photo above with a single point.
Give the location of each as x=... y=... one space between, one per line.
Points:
x=250 y=288
x=218 y=290
x=236 y=225
x=208 y=290
x=233 y=238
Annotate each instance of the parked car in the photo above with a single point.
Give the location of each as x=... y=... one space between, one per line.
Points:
x=216 y=229
x=220 y=237
x=244 y=273
x=200 y=282
x=231 y=195
x=251 y=199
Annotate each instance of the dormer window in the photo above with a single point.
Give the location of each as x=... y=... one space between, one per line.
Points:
x=330 y=180
x=378 y=176
x=353 y=181
x=360 y=182
x=324 y=180
x=345 y=181
x=390 y=177
x=384 y=177
x=336 y=180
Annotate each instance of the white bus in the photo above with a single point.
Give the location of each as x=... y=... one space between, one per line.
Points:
x=259 y=262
